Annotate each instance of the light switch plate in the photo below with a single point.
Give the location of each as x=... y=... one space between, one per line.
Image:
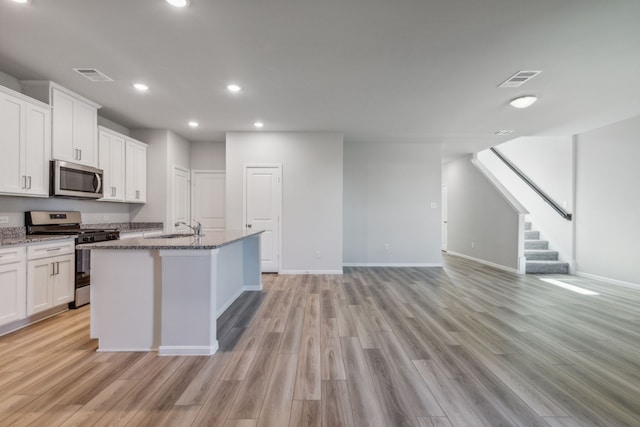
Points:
x=4 y=220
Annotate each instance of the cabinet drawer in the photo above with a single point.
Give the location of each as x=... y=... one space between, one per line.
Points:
x=56 y=248
x=12 y=254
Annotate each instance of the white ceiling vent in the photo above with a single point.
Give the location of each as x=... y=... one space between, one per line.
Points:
x=93 y=74
x=502 y=132
x=519 y=78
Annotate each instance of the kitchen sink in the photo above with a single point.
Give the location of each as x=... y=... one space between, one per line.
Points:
x=171 y=236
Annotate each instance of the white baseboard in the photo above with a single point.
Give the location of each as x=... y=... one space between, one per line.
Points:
x=608 y=280
x=339 y=272
x=482 y=261
x=252 y=288
x=392 y=264
x=188 y=350
x=126 y=350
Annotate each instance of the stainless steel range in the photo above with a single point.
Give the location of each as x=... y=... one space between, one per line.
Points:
x=70 y=223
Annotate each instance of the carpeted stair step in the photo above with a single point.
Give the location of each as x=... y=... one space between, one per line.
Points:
x=541 y=255
x=536 y=244
x=527 y=226
x=531 y=235
x=547 y=267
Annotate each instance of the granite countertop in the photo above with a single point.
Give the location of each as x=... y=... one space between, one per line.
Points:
x=17 y=235
x=22 y=240
x=210 y=240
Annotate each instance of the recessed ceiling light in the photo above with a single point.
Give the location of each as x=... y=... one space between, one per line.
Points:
x=194 y=124
x=178 y=3
x=141 y=87
x=21 y=1
x=258 y=124
x=523 y=101
x=233 y=88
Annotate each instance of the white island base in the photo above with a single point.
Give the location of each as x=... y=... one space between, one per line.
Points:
x=168 y=300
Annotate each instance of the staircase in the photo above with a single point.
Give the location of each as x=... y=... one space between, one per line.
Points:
x=541 y=260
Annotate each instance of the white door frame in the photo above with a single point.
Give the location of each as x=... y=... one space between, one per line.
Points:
x=172 y=206
x=277 y=166
x=444 y=226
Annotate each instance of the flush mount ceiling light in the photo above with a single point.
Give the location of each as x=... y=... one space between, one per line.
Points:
x=523 y=101
x=178 y=3
x=21 y=1
x=141 y=87
x=234 y=88
x=194 y=124
x=258 y=124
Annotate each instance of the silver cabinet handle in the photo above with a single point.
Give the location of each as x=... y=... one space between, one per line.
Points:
x=53 y=268
x=53 y=249
x=24 y=181
x=29 y=185
x=113 y=191
x=57 y=268
x=80 y=155
x=137 y=194
x=75 y=154
x=248 y=225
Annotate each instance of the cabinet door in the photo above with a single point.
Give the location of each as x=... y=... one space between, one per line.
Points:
x=12 y=292
x=130 y=172
x=141 y=173
x=62 y=281
x=39 y=295
x=36 y=150
x=62 y=126
x=112 y=162
x=11 y=136
x=85 y=133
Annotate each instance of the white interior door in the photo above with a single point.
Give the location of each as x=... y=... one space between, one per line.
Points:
x=208 y=199
x=181 y=200
x=262 y=205
x=444 y=217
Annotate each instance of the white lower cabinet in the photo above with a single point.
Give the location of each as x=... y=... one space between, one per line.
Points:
x=12 y=284
x=50 y=279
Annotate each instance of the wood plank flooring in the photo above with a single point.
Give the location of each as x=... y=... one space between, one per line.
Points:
x=464 y=345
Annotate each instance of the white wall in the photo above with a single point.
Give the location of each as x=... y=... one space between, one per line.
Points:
x=388 y=191
x=547 y=161
x=478 y=214
x=113 y=126
x=207 y=155
x=608 y=202
x=311 y=191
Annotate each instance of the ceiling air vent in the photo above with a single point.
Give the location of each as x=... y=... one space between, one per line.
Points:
x=519 y=78
x=502 y=132
x=93 y=74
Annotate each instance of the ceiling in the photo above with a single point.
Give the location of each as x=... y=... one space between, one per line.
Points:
x=379 y=71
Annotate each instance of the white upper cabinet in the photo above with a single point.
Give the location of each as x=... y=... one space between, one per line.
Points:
x=26 y=139
x=111 y=161
x=74 y=122
x=136 y=171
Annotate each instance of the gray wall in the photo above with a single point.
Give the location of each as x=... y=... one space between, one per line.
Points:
x=479 y=215
x=311 y=192
x=608 y=202
x=207 y=155
x=9 y=81
x=388 y=192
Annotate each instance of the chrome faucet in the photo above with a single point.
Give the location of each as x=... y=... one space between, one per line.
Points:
x=197 y=229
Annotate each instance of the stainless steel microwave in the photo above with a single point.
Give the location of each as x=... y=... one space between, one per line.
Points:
x=76 y=181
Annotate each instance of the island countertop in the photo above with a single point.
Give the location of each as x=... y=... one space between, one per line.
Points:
x=210 y=240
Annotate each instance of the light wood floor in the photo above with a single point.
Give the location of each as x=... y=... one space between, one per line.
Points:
x=466 y=345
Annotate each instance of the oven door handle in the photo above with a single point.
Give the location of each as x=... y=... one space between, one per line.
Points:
x=99 y=186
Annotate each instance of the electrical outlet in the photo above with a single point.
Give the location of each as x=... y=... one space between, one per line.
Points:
x=317 y=254
x=4 y=220
x=106 y=217
x=386 y=246
x=434 y=205
x=473 y=245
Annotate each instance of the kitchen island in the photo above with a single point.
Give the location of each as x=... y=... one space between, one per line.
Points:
x=165 y=293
